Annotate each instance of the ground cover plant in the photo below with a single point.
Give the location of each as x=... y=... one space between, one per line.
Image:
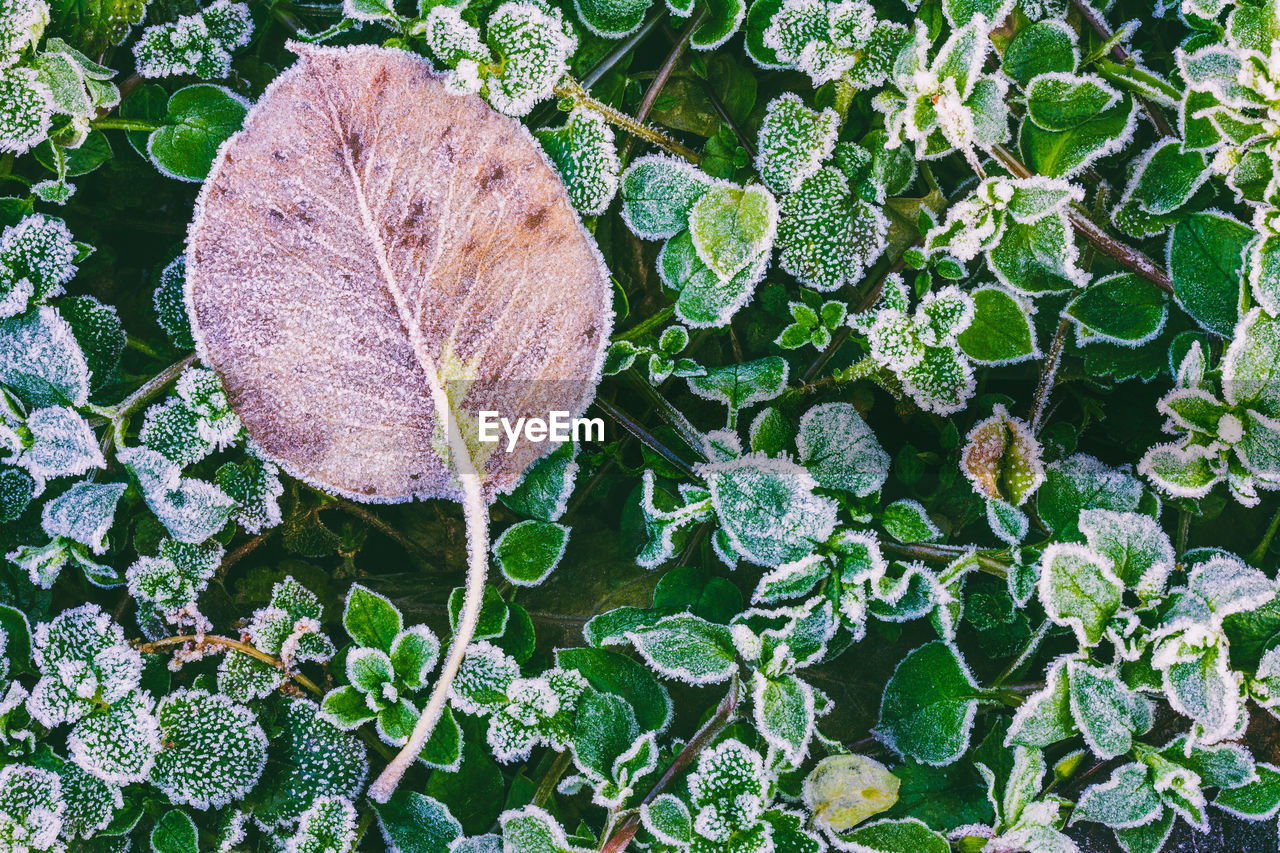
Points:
x=935 y=508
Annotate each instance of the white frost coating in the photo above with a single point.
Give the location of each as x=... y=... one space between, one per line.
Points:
x=1092 y=591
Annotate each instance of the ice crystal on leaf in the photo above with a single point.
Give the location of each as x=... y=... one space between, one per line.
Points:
x=90 y=802
x=658 y=191
x=831 y=40
x=584 y=153
x=31 y=809
x=793 y=142
x=174 y=578
x=535 y=43
x=192 y=510
x=26 y=109
x=1002 y=458
x=329 y=826
x=83 y=513
x=827 y=234
x=37 y=257
x=288 y=628
x=199 y=44
x=213 y=751
x=21 y=24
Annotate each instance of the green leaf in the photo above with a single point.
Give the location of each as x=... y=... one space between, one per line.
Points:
x=346 y=707
x=198 y=120
x=529 y=551
x=687 y=648
x=42 y=362
x=784 y=714
x=907 y=521
x=1205 y=258
x=1078 y=590
x=1061 y=102
x=840 y=450
x=658 y=192
x=1065 y=153
x=741 y=385
x=174 y=832
x=928 y=706
x=1256 y=800
x=371 y=619
x=894 y=836
x=1001 y=331
x=1042 y=48
x=494 y=613
x=1123 y=308
x=1107 y=713
x=612 y=18
x=604 y=728
x=415 y=823
x=1127 y=799
x=610 y=672
x=828 y=235
x=731 y=227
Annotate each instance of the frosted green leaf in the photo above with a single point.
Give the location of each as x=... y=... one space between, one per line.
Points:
x=1079 y=590
x=928 y=706
x=26 y=109
x=1125 y=800
x=62 y=445
x=369 y=10
x=1198 y=683
x=584 y=154
x=827 y=41
x=197 y=120
x=740 y=386
x=1106 y=712
x=783 y=710
x=21 y=24
x=827 y=235
x=536 y=44
x=172 y=428
x=1082 y=482
x=611 y=18
x=705 y=300
x=214 y=749
x=199 y=44
x=1066 y=152
x=174 y=832
x=117 y=743
x=1189 y=472
x=1255 y=800
x=658 y=191
x=171 y=310
x=83 y=513
x=907 y=521
x=1250 y=364
x=1063 y=102
x=1045 y=717
x=1007 y=522
x=31 y=809
x=414 y=823
x=37 y=258
x=543 y=492
x=256 y=488
x=667 y=819
x=529 y=551
x=309 y=758
x=687 y=648
x=840 y=450
x=91 y=803
x=483 y=678
x=1140 y=552
x=192 y=510
x=371 y=619
x=1124 y=309
x=41 y=361
x=1205 y=258
x=531 y=830
x=1036 y=258
x=175 y=577
x=793 y=142
x=767 y=508
x=98 y=330
x=732 y=226
x=891 y=835
x=941 y=382
x=329 y=826
x=1164 y=179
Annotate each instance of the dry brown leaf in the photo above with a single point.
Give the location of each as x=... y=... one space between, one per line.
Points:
x=365 y=229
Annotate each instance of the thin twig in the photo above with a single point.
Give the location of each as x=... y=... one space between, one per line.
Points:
x=569 y=88
x=214 y=641
x=647 y=438
x=623 y=835
x=664 y=73
x=1049 y=373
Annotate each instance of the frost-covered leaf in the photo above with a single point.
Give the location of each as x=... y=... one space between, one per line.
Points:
x=197 y=121
x=827 y=235
x=584 y=154
x=536 y=44
x=529 y=551
x=42 y=361
x=1164 y=179
x=892 y=834
x=174 y=832
x=740 y=386
x=214 y=749
x=32 y=808
x=784 y=714
x=793 y=141
x=173 y=578
x=687 y=648
x=415 y=823
x=1125 y=800
x=543 y=492
x=767 y=508
x=498 y=179
x=844 y=790
x=928 y=706
x=328 y=826
x=907 y=521
x=1045 y=717
x=667 y=819
x=28 y=109
x=1082 y=140
x=532 y=830
x=1205 y=258
x=658 y=191
x=1124 y=309
x=83 y=513
x=1002 y=458
x=732 y=226
x=1083 y=482
x=1062 y=102
x=371 y=619
x=840 y=450
x=1106 y=712
x=199 y=44
x=171 y=310
x=1001 y=331
x=256 y=488
x=1255 y=800
x=1140 y=552
x=192 y=510
x=1078 y=589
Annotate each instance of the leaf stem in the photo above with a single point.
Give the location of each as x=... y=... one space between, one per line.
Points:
x=622 y=837
x=569 y=88
x=214 y=641
x=1048 y=374
x=647 y=438
x=146 y=391
x=648 y=324
x=1123 y=254
x=125 y=124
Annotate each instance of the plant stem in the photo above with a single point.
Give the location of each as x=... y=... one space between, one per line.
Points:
x=146 y=391
x=569 y=88
x=1257 y=555
x=602 y=67
x=621 y=837
x=648 y=324
x=944 y=554
x=125 y=124
x=664 y=74
x=548 y=783
x=215 y=641
x=647 y=438
x=1048 y=374
x=1095 y=20
x=674 y=418
x=1125 y=255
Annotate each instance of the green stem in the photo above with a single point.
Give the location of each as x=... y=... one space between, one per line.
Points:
x=1257 y=555
x=647 y=438
x=569 y=88
x=647 y=325
x=673 y=417
x=125 y=124
x=145 y=392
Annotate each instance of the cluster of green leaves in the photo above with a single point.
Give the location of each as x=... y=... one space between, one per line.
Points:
x=937 y=512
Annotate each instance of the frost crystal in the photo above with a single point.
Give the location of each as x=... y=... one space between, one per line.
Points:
x=31 y=809
x=830 y=40
x=199 y=44
x=26 y=109
x=173 y=579
x=584 y=154
x=21 y=24
x=329 y=826
x=37 y=257
x=536 y=43
x=214 y=750
x=793 y=142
